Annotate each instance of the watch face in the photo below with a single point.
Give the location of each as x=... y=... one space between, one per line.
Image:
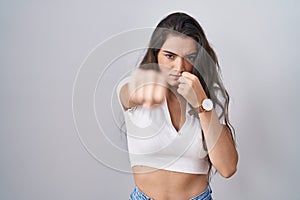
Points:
x=207 y=104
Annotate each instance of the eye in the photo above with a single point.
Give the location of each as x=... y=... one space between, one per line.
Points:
x=170 y=56
x=191 y=58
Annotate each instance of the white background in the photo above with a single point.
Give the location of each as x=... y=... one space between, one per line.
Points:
x=43 y=44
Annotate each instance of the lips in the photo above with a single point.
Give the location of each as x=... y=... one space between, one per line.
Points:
x=175 y=76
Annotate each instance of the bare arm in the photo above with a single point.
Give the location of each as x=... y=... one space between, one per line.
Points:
x=218 y=137
x=221 y=147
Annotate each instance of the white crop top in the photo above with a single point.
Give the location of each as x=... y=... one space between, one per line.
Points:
x=153 y=141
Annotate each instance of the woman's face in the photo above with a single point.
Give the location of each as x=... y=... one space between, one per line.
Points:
x=177 y=55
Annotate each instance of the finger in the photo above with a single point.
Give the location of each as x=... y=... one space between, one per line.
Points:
x=150 y=81
x=186 y=74
x=138 y=95
x=181 y=85
x=160 y=90
x=189 y=76
x=135 y=89
x=185 y=81
x=181 y=79
x=159 y=94
x=148 y=94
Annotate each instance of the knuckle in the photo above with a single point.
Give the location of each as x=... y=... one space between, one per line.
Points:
x=158 y=98
x=148 y=96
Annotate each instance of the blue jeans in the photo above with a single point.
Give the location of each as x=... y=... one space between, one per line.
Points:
x=139 y=195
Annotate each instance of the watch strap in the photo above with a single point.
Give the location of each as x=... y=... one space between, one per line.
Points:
x=196 y=110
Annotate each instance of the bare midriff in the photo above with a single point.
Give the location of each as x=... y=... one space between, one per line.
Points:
x=164 y=185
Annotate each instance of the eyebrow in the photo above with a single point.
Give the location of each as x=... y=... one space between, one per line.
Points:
x=170 y=52
x=191 y=54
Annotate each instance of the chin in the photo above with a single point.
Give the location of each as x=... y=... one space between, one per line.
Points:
x=173 y=83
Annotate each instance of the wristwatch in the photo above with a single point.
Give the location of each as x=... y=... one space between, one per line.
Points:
x=206 y=105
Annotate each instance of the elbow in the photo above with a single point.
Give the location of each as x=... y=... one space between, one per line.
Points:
x=228 y=172
x=229 y=169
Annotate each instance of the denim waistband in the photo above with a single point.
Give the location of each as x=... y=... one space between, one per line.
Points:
x=139 y=195
x=205 y=195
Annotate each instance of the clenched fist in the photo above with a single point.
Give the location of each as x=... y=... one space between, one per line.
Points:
x=191 y=89
x=146 y=87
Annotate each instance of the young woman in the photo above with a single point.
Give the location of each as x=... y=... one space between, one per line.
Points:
x=176 y=114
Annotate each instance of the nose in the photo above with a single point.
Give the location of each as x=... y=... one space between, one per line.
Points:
x=179 y=64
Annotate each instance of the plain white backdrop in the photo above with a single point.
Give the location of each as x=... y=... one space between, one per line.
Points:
x=43 y=45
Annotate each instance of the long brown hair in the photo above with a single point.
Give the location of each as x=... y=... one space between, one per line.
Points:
x=206 y=65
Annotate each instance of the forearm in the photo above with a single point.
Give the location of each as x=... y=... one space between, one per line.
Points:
x=220 y=144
